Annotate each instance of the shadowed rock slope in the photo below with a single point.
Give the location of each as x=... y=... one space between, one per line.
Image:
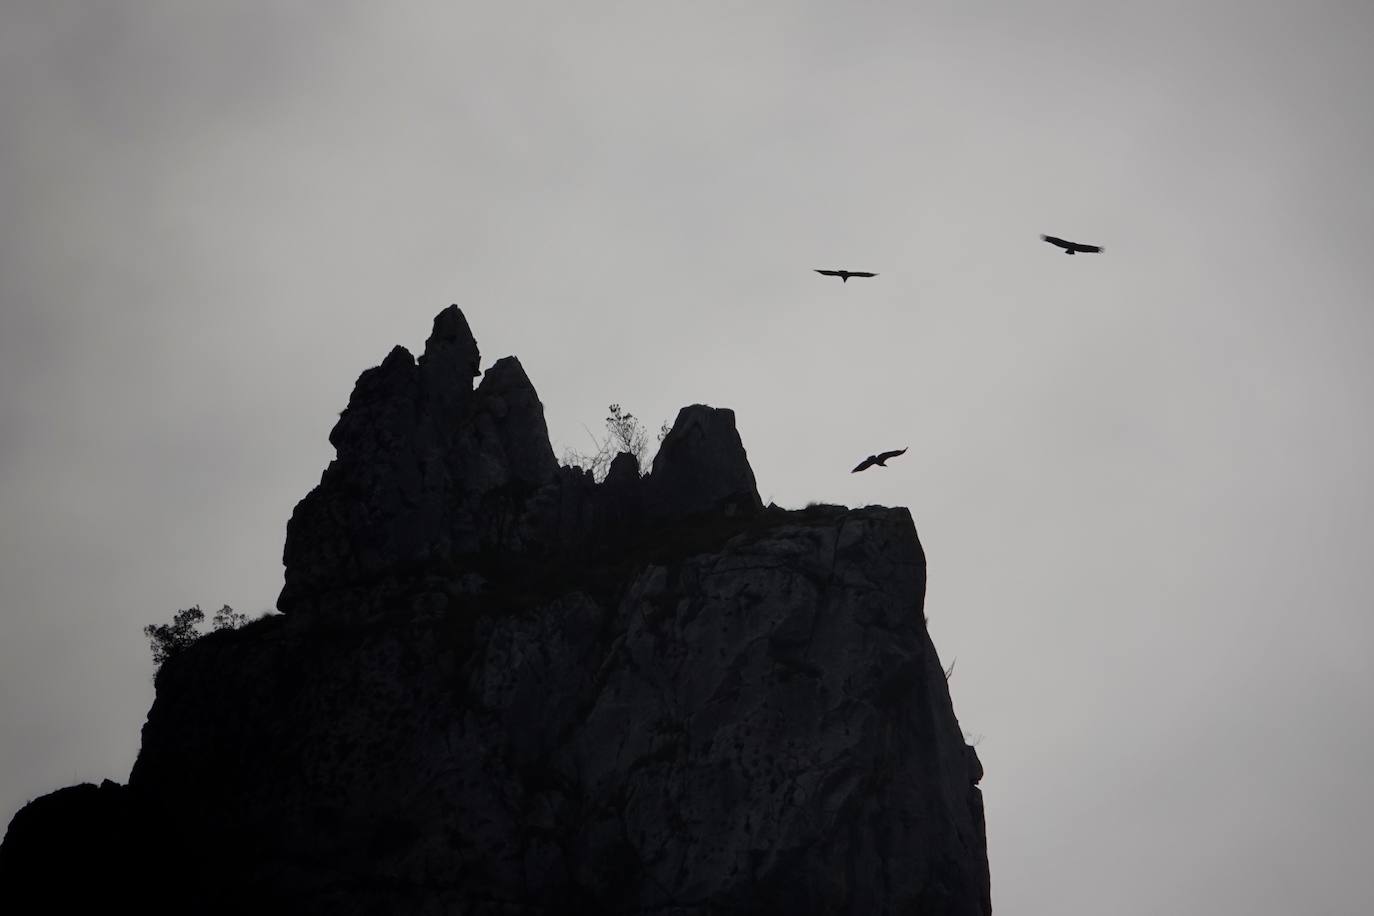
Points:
x=498 y=686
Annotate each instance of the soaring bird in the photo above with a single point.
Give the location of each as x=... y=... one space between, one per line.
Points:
x=880 y=460
x=1072 y=247
x=844 y=275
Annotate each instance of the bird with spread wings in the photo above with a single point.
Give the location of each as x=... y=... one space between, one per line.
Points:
x=844 y=275
x=1072 y=247
x=880 y=460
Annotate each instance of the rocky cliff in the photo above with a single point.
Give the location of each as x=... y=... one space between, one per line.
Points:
x=498 y=686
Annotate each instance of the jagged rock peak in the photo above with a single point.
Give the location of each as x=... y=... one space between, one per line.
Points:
x=382 y=393
x=507 y=396
x=424 y=465
x=702 y=467
x=432 y=475
x=451 y=344
x=449 y=364
x=624 y=470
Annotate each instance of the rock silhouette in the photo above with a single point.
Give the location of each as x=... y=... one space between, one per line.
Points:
x=498 y=686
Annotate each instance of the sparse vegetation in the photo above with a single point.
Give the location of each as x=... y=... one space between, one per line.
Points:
x=624 y=433
x=226 y=618
x=168 y=639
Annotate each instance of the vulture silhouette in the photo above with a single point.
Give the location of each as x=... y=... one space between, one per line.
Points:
x=1072 y=247
x=880 y=460
x=844 y=275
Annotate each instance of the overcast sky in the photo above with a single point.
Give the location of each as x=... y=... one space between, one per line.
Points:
x=1142 y=479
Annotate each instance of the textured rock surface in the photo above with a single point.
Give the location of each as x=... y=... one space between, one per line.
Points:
x=500 y=687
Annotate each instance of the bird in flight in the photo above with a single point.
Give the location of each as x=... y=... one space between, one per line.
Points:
x=1072 y=247
x=880 y=460
x=844 y=275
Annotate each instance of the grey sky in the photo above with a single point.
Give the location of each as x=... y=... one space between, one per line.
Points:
x=1142 y=478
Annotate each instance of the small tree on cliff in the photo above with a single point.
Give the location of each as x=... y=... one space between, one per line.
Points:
x=167 y=639
x=624 y=433
x=226 y=618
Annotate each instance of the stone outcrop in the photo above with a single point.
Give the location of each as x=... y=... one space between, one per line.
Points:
x=500 y=686
x=423 y=461
x=432 y=476
x=701 y=467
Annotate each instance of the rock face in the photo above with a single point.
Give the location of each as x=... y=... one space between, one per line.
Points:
x=501 y=687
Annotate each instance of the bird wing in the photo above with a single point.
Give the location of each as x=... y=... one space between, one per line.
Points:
x=830 y=273
x=1087 y=249
x=866 y=463
x=861 y=273
x=886 y=455
x=1054 y=241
